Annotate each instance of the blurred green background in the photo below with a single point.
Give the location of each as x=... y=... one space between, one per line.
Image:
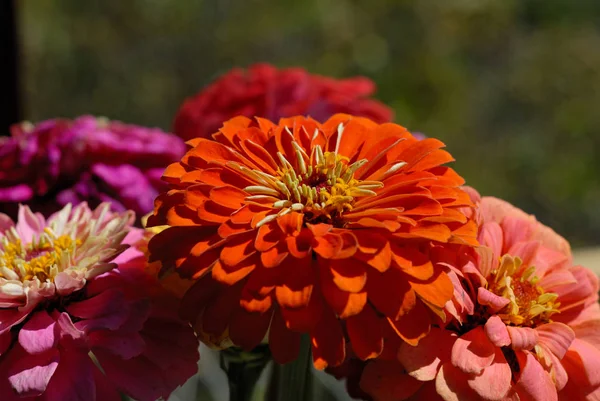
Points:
x=512 y=86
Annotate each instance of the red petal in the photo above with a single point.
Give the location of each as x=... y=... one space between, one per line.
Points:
x=247 y=330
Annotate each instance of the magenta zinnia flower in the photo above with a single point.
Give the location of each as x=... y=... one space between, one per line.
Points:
x=90 y=159
x=526 y=327
x=79 y=316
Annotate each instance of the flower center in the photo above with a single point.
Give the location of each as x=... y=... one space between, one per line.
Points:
x=528 y=304
x=322 y=185
x=39 y=259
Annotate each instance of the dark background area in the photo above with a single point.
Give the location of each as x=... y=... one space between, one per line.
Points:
x=512 y=86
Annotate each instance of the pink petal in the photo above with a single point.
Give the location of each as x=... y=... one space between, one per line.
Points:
x=493 y=301
x=73 y=380
x=547 y=259
x=588 y=331
x=473 y=351
x=582 y=362
x=30 y=375
x=517 y=228
x=526 y=251
x=38 y=334
x=422 y=362
x=534 y=381
x=451 y=384
x=486 y=262
x=496 y=331
x=557 y=371
x=68 y=282
x=522 y=337
x=557 y=337
x=495 y=380
x=490 y=235
x=69 y=333
x=557 y=278
x=5 y=223
x=29 y=225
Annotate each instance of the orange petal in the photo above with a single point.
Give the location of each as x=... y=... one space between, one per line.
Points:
x=232 y=274
x=291 y=223
x=303 y=319
x=298 y=282
x=284 y=343
x=217 y=313
x=437 y=291
x=365 y=334
x=274 y=256
x=173 y=173
x=328 y=246
x=267 y=237
x=247 y=330
x=412 y=326
x=238 y=248
x=348 y=275
x=328 y=343
x=228 y=196
x=390 y=293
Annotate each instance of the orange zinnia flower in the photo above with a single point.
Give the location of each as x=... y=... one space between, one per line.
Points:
x=303 y=227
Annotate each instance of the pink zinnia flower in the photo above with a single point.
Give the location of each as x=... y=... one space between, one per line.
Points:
x=79 y=316
x=526 y=323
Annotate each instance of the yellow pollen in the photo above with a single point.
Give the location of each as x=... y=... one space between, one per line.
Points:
x=322 y=185
x=528 y=305
x=38 y=259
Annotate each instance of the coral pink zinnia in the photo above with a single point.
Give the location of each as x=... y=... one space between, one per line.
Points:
x=264 y=91
x=530 y=327
x=79 y=316
x=312 y=228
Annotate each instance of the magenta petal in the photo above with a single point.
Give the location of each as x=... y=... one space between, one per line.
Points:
x=38 y=334
x=105 y=390
x=73 y=380
x=137 y=377
x=473 y=351
x=496 y=331
x=125 y=345
x=30 y=375
x=557 y=337
x=488 y=298
x=522 y=337
x=69 y=334
x=107 y=310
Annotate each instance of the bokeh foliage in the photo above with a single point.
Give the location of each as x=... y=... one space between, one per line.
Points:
x=512 y=86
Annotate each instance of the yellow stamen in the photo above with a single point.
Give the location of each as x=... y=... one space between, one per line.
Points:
x=528 y=304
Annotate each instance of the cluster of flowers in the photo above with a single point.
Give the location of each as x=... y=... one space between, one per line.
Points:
x=344 y=228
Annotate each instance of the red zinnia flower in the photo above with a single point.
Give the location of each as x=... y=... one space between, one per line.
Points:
x=312 y=228
x=264 y=91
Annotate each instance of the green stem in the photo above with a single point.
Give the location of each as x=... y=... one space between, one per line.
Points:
x=293 y=381
x=243 y=370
